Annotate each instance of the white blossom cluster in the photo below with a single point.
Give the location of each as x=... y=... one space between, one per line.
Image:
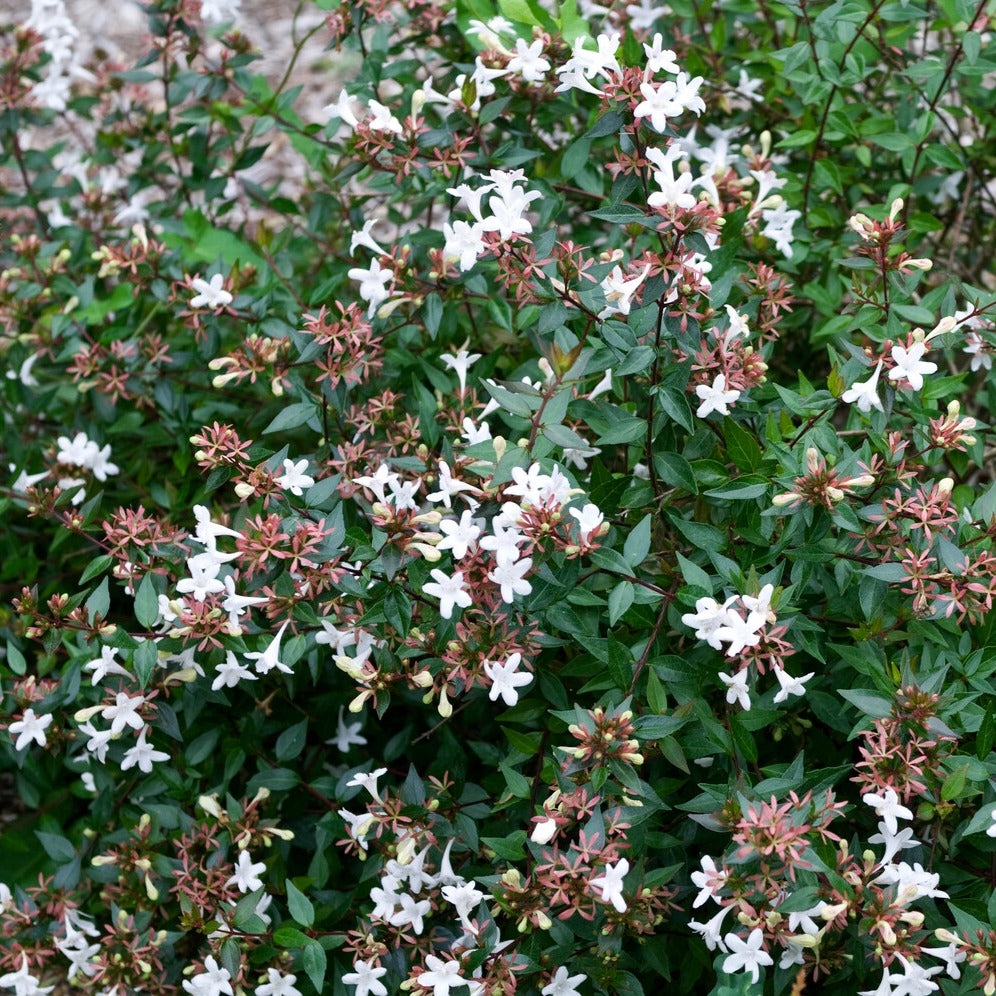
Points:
x=59 y=36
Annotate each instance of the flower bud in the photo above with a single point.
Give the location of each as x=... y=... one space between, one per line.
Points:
x=785 y=498
x=861 y=481
x=244 y=490
x=445 y=707
x=544 y=832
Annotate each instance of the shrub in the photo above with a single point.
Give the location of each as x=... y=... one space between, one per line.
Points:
x=529 y=528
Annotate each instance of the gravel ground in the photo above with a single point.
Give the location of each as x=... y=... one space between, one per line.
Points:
x=116 y=29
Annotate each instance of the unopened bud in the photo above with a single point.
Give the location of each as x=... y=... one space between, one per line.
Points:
x=445 y=707
x=945 y=486
x=544 y=832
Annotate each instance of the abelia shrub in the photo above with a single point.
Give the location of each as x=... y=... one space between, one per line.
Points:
x=521 y=519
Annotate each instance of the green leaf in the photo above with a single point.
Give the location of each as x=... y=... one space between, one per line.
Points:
x=741 y=446
x=287 y=936
x=299 y=905
x=291 y=417
x=637 y=544
x=987 y=733
x=291 y=742
x=742 y=489
x=95 y=567
x=674 y=469
x=99 y=601
x=15 y=659
x=315 y=964
x=518 y=784
x=620 y=599
x=144 y=661
x=147 y=603
x=954 y=784
x=886 y=572
x=56 y=847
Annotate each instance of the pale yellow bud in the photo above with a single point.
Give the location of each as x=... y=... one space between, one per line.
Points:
x=445 y=707
x=209 y=804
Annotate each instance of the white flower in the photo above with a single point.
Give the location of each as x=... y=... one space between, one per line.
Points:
x=229 y=674
x=675 y=190
x=30 y=727
x=865 y=393
x=235 y=605
x=294 y=478
x=383 y=119
x=888 y=808
x=124 y=712
x=619 y=291
x=342 y=109
x=269 y=659
x=975 y=346
x=610 y=884
x=504 y=544
x=210 y=294
x=465 y=897
x=278 y=985
x=464 y=243
x=104 y=665
x=660 y=59
x=451 y=592
x=740 y=632
x=589 y=519
x=952 y=955
x=747 y=956
x=368 y=781
x=458 y=537
x=912 y=882
x=203 y=580
x=22 y=981
x=347 y=734
x=441 y=977
x=711 y=930
x=562 y=984
x=707 y=619
x=506 y=679
x=736 y=688
x=910 y=365
x=213 y=981
x=362 y=237
x=528 y=61
x=373 y=283
x=460 y=363
x=98 y=742
x=411 y=913
x=143 y=754
x=715 y=398
x=366 y=979
x=511 y=578
x=246 y=875
x=790 y=685
x=894 y=842
x=709 y=880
